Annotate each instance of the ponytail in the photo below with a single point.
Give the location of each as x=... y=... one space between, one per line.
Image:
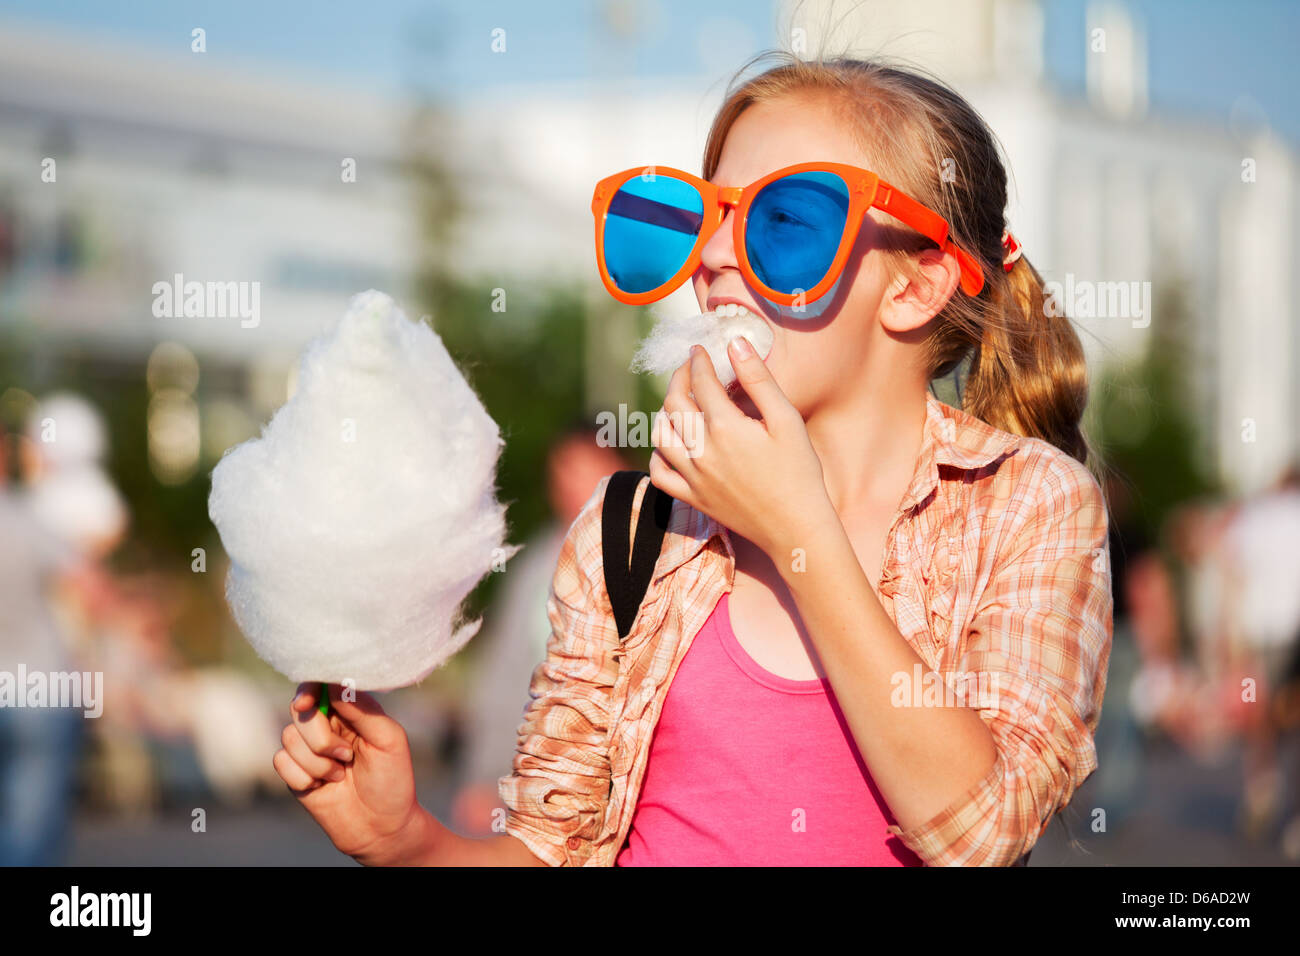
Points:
x=1027 y=374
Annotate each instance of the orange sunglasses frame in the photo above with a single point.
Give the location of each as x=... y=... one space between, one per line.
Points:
x=866 y=191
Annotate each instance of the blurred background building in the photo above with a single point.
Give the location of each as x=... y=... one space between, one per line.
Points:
x=446 y=153
x=170 y=161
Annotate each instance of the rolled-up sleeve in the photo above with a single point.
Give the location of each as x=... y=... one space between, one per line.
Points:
x=557 y=794
x=1036 y=653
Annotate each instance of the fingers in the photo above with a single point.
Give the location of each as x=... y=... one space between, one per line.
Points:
x=311 y=753
x=670 y=446
x=710 y=396
x=314 y=728
x=678 y=403
x=679 y=430
x=666 y=480
x=305 y=698
x=679 y=389
x=757 y=381
x=367 y=718
x=294 y=777
x=317 y=766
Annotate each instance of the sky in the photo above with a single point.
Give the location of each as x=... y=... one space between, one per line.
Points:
x=1204 y=55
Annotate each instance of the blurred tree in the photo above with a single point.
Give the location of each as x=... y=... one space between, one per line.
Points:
x=1146 y=418
x=522 y=345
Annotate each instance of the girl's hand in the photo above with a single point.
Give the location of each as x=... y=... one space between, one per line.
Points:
x=761 y=479
x=352 y=772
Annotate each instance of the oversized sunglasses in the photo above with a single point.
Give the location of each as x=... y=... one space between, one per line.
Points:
x=793 y=229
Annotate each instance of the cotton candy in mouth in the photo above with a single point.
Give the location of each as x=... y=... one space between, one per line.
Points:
x=669 y=343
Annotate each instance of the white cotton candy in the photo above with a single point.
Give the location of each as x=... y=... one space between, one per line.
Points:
x=669 y=343
x=366 y=512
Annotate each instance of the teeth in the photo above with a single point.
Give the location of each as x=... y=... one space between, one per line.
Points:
x=731 y=309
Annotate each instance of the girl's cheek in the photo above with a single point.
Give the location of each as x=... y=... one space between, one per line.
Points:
x=700 y=282
x=812 y=310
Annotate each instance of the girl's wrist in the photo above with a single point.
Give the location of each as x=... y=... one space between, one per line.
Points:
x=425 y=831
x=800 y=534
x=412 y=845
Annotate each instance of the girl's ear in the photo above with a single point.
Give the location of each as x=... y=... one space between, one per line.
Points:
x=912 y=301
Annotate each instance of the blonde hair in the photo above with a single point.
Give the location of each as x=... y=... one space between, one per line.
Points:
x=1026 y=372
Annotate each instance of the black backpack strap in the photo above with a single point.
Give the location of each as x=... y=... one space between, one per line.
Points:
x=627 y=577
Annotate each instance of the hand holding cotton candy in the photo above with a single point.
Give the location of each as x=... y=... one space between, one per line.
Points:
x=366 y=512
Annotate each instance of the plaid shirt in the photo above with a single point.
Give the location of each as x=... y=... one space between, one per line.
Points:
x=996 y=567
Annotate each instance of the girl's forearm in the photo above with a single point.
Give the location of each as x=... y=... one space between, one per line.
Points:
x=432 y=844
x=921 y=758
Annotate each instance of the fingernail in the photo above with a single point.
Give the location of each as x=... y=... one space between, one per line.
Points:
x=742 y=346
x=342 y=753
x=335 y=775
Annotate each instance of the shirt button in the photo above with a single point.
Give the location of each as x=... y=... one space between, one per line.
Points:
x=573 y=842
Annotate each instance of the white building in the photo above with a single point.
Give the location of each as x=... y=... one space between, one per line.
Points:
x=164 y=164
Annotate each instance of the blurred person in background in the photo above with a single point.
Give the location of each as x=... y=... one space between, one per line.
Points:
x=1286 y=713
x=1159 y=692
x=1197 y=539
x=72 y=496
x=52 y=535
x=153 y=733
x=61 y=465
x=37 y=746
x=519 y=628
x=1262 y=625
x=1186 y=684
x=154 y=737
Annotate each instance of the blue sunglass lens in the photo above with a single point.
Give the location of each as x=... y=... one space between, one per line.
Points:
x=794 y=229
x=650 y=230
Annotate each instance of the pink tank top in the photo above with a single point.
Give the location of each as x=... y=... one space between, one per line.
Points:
x=750 y=769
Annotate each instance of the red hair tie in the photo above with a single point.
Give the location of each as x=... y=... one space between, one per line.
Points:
x=1011 y=250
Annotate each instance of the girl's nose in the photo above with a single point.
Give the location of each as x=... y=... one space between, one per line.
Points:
x=720 y=251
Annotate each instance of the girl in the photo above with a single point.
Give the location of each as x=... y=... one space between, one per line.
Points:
x=879 y=626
